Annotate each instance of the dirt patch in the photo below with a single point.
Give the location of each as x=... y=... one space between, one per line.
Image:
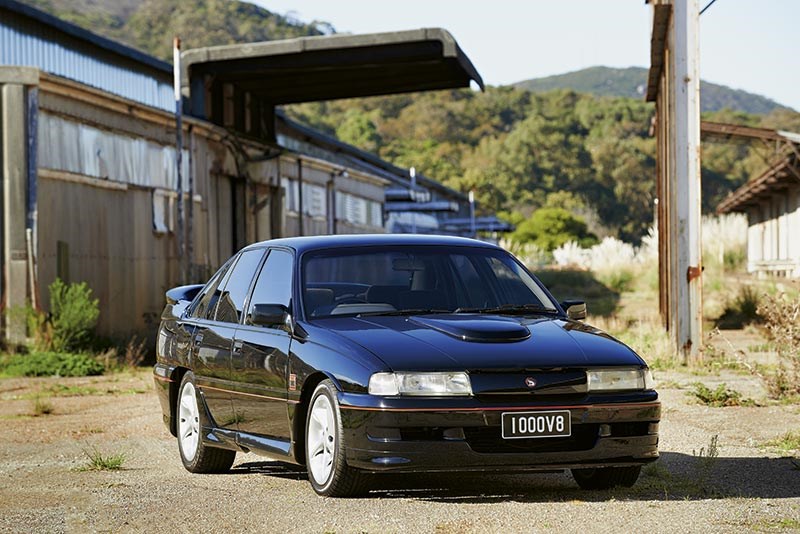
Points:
x=743 y=487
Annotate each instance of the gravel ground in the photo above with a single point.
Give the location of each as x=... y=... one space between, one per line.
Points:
x=43 y=487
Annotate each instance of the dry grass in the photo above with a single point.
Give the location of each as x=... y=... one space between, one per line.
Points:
x=42 y=406
x=781 y=315
x=645 y=336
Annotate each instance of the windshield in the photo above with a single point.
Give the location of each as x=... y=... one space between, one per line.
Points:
x=417 y=279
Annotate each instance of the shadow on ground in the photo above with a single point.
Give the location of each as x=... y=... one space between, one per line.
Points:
x=272 y=469
x=568 y=284
x=675 y=476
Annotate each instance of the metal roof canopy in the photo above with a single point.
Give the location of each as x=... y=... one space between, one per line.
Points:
x=776 y=179
x=238 y=86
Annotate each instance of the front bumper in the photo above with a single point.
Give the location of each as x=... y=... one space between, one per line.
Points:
x=425 y=435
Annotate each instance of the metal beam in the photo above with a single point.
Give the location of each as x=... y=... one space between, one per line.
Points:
x=736 y=131
x=435 y=205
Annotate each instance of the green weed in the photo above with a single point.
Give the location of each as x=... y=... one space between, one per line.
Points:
x=720 y=397
x=97 y=461
x=789 y=442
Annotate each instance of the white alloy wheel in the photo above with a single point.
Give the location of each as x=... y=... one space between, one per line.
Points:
x=188 y=421
x=321 y=440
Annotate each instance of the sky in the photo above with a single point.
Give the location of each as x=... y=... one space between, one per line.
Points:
x=745 y=44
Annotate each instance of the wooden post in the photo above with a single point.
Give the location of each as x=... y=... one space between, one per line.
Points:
x=176 y=73
x=687 y=224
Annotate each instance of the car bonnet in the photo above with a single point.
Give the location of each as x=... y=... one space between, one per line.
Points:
x=473 y=342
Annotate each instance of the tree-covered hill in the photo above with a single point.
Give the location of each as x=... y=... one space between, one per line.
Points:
x=150 y=25
x=581 y=146
x=632 y=82
x=521 y=151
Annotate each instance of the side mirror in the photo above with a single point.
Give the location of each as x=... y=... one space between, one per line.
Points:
x=576 y=309
x=271 y=315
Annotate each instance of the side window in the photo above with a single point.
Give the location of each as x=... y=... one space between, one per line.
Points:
x=274 y=284
x=231 y=299
x=210 y=293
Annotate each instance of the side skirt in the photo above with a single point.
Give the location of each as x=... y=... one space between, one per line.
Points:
x=278 y=449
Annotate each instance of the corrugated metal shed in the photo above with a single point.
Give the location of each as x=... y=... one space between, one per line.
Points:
x=29 y=37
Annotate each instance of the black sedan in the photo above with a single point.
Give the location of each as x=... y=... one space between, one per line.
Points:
x=355 y=355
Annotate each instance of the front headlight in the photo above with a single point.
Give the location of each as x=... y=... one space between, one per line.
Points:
x=618 y=379
x=428 y=384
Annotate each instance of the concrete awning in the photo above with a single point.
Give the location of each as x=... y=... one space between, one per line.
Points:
x=226 y=84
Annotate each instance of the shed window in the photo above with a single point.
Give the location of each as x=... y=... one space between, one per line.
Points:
x=314 y=198
x=163 y=204
x=358 y=210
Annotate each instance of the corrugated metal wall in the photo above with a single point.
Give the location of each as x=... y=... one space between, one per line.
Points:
x=107 y=238
x=24 y=43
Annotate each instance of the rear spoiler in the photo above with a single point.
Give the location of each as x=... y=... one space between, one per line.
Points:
x=185 y=293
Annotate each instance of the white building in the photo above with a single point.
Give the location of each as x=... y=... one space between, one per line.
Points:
x=771 y=202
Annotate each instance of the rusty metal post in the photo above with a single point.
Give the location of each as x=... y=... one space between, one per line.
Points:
x=190 y=220
x=687 y=329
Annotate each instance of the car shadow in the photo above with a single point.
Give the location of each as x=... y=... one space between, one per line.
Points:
x=272 y=469
x=675 y=476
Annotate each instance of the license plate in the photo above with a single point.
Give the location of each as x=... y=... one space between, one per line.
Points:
x=536 y=424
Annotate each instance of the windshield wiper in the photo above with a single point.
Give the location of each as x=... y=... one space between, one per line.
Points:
x=511 y=309
x=415 y=311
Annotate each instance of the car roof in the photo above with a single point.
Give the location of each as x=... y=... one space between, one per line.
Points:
x=308 y=243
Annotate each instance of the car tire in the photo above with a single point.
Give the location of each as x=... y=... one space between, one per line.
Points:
x=328 y=472
x=606 y=477
x=196 y=456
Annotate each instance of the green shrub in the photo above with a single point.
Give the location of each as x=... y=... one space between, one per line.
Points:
x=69 y=327
x=549 y=228
x=50 y=364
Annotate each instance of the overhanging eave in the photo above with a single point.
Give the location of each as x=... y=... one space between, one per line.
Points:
x=338 y=66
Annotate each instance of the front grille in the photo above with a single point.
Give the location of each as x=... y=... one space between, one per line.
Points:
x=523 y=399
x=490 y=440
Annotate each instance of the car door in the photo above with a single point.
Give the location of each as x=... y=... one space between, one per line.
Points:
x=210 y=357
x=261 y=354
x=214 y=337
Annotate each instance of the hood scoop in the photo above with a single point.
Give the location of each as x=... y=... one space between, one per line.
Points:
x=485 y=329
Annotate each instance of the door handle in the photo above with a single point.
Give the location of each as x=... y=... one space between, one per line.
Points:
x=198 y=339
